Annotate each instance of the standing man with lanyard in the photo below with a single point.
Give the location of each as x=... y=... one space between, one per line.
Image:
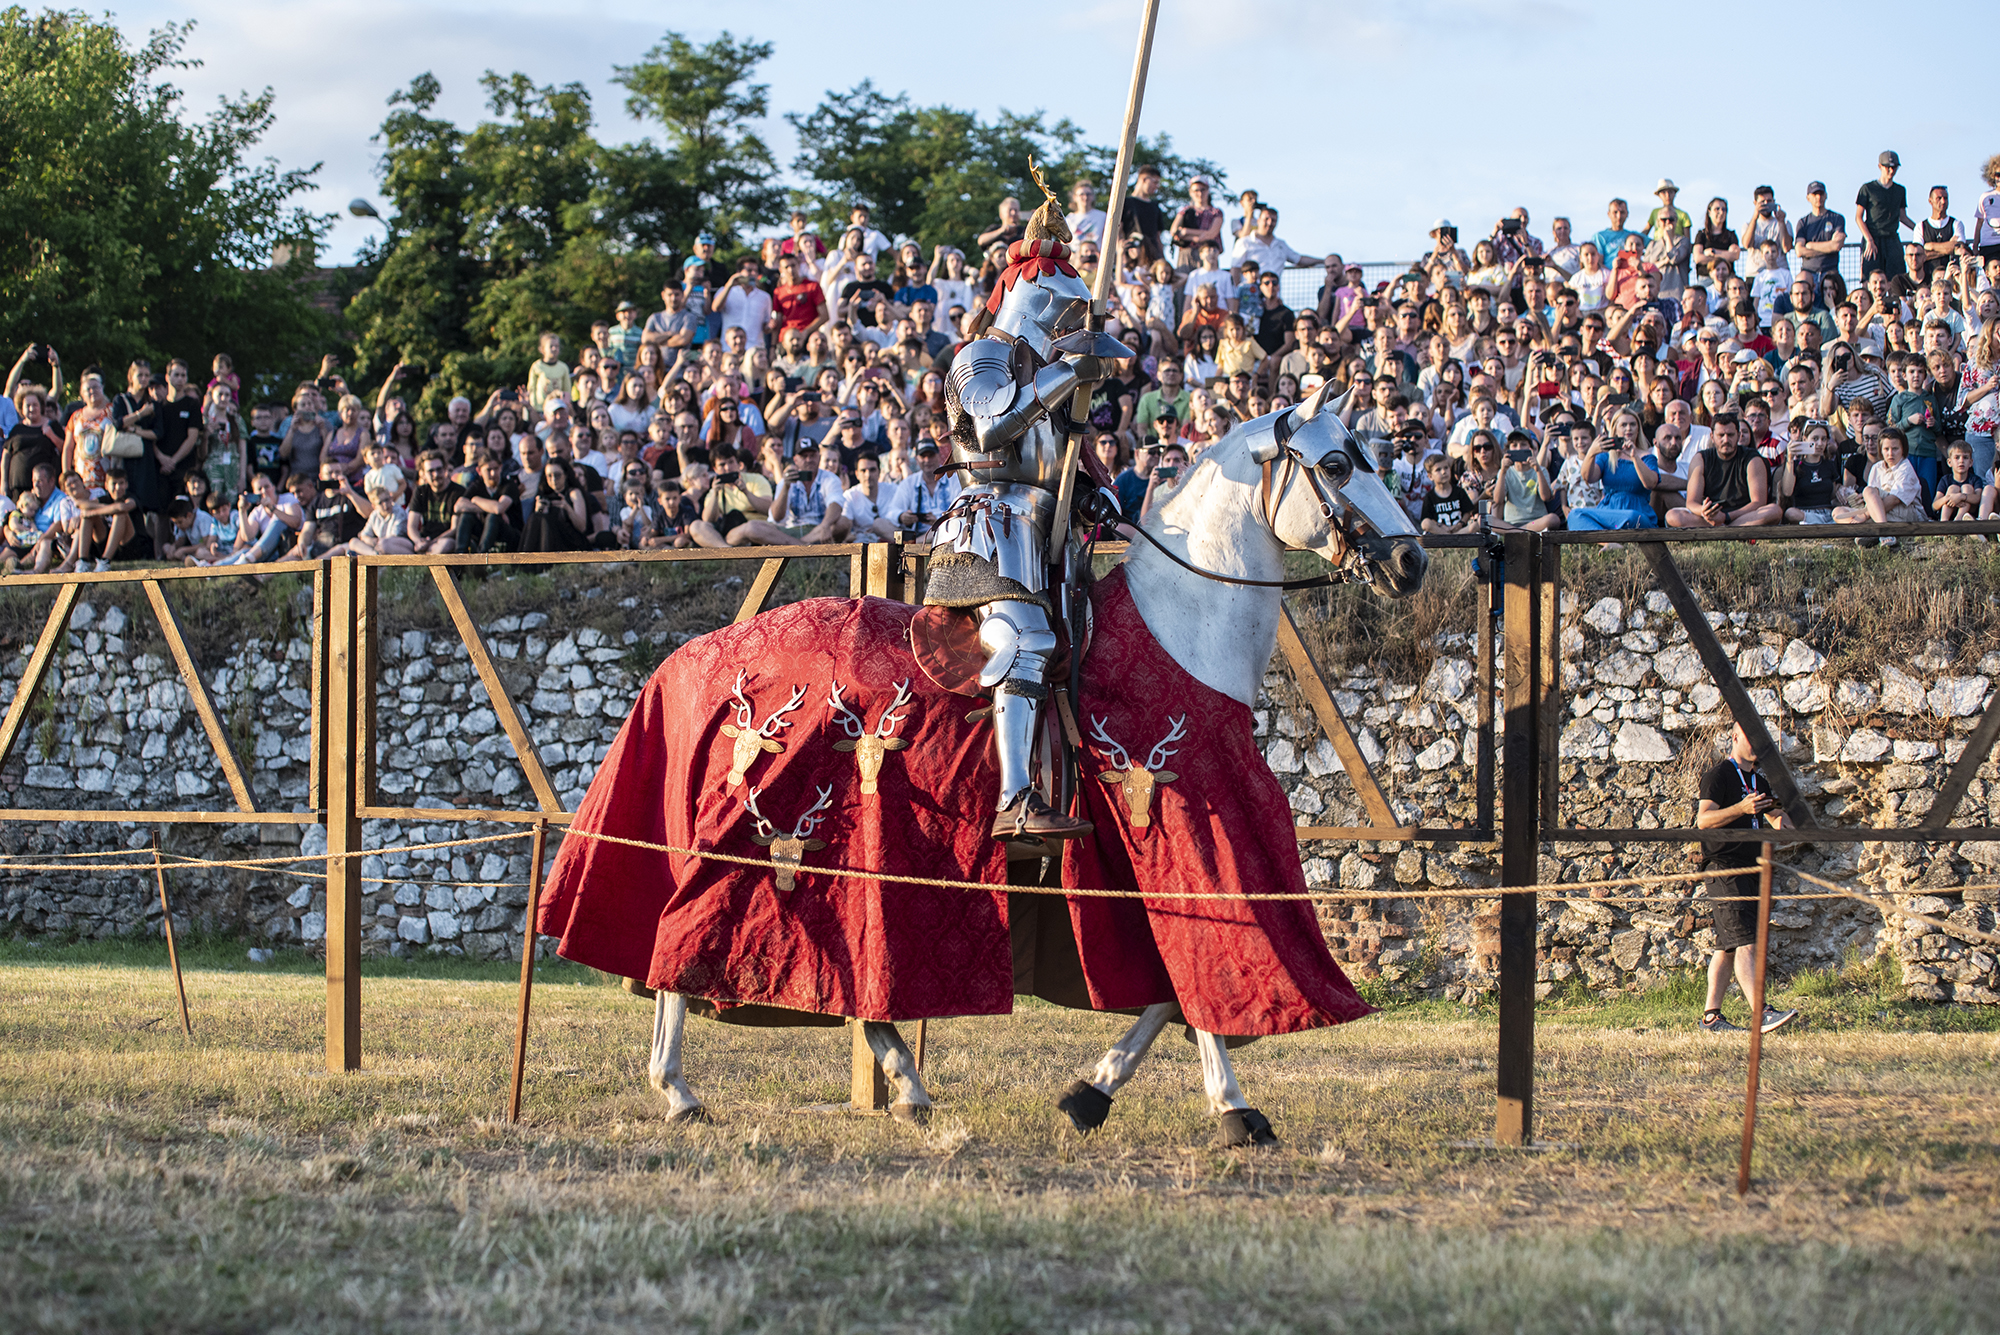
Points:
x=1735 y=796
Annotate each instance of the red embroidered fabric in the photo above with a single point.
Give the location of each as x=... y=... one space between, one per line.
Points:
x=1221 y=824
x=842 y=946
x=835 y=945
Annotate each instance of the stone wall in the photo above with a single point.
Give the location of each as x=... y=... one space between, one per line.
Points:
x=1642 y=721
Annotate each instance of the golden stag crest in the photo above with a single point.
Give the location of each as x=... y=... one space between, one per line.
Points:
x=789 y=850
x=870 y=746
x=1136 y=782
x=751 y=742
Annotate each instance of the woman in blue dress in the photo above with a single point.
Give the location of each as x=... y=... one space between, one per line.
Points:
x=1629 y=474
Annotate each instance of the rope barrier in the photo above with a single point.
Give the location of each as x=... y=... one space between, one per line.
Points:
x=273 y=863
x=1546 y=889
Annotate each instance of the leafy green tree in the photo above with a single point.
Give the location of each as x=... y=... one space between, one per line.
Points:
x=128 y=230
x=703 y=101
x=938 y=173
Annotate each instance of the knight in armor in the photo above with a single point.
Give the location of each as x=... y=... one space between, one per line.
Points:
x=1009 y=393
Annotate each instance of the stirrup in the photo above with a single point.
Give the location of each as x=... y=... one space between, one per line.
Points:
x=1031 y=817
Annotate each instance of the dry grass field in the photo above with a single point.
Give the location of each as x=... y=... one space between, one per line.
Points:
x=230 y=1184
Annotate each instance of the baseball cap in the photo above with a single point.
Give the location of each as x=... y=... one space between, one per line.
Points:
x=626 y=306
x=704 y=238
x=1815 y=187
x=1888 y=159
x=1666 y=184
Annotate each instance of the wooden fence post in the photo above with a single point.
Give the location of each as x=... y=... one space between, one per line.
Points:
x=342 y=771
x=1514 y=1116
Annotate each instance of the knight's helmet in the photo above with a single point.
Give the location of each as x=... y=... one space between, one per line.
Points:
x=1039 y=297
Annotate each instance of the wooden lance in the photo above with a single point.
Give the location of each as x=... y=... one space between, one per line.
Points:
x=1107 y=264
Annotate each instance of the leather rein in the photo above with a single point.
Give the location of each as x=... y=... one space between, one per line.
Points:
x=1338 y=539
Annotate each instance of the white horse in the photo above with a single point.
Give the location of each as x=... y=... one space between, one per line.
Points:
x=1293 y=479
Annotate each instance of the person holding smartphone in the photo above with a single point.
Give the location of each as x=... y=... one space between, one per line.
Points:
x=1735 y=796
x=1164 y=477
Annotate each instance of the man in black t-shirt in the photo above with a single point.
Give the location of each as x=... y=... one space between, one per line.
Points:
x=434 y=507
x=866 y=298
x=1883 y=207
x=1142 y=216
x=1735 y=796
x=1275 y=319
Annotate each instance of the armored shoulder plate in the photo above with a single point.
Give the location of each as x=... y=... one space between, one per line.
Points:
x=983 y=373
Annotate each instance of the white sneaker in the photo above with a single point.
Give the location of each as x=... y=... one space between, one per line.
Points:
x=103 y=565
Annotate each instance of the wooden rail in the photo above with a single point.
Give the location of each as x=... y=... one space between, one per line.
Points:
x=1522 y=762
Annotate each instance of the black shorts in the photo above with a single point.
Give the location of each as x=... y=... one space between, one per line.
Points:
x=730 y=522
x=1734 y=909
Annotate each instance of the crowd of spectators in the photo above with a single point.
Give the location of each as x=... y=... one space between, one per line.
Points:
x=1688 y=371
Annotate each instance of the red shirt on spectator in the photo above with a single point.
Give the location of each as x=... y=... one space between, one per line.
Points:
x=798 y=305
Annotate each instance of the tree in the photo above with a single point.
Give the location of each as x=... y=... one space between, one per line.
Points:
x=495 y=234
x=938 y=173
x=701 y=98
x=128 y=231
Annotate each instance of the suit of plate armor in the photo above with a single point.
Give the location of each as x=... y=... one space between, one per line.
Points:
x=989 y=552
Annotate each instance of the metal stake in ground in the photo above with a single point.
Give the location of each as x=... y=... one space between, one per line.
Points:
x=1756 y=1018
x=527 y=968
x=173 y=955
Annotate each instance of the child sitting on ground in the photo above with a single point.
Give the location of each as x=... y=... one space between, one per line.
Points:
x=185 y=532
x=1962 y=493
x=20 y=536
x=641 y=524
x=226 y=520
x=383 y=534
x=681 y=512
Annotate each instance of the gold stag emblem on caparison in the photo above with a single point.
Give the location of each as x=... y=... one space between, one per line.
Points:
x=1136 y=782
x=870 y=745
x=752 y=741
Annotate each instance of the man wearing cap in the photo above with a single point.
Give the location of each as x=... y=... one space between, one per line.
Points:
x=1666 y=192
x=1611 y=240
x=622 y=340
x=920 y=500
x=1445 y=251
x=1883 y=207
x=1819 y=235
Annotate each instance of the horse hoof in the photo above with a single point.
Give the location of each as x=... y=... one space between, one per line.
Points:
x=1085 y=1105
x=911 y=1114
x=695 y=1116
x=1247 y=1126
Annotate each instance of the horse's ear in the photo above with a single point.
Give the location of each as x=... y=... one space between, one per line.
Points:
x=1308 y=410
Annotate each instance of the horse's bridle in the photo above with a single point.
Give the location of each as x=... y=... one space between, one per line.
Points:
x=1273 y=494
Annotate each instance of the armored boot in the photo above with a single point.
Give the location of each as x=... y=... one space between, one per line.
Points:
x=1017 y=635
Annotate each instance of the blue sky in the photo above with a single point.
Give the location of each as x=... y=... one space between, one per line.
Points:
x=1363 y=123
